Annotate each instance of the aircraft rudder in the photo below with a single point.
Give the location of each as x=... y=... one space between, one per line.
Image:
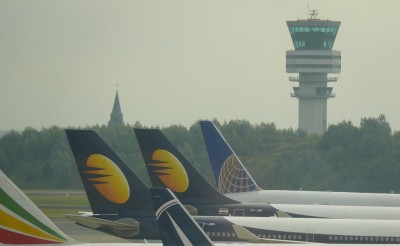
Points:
x=217 y=147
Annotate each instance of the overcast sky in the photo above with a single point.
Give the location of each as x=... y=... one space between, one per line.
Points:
x=179 y=61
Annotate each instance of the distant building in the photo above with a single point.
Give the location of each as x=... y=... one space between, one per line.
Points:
x=313 y=59
x=116 y=116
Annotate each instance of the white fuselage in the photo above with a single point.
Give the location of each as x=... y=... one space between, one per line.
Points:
x=338 y=212
x=322 y=230
x=318 y=197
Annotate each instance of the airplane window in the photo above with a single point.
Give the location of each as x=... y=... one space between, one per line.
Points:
x=213 y=233
x=269 y=236
x=289 y=237
x=264 y=235
x=351 y=238
x=279 y=236
x=356 y=238
x=345 y=238
x=218 y=234
x=300 y=237
x=208 y=233
x=274 y=236
x=223 y=234
x=340 y=238
x=228 y=234
x=294 y=237
x=387 y=239
x=330 y=238
x=258 y=235
x=335 y=237
x=233 y=234
x=284 y=237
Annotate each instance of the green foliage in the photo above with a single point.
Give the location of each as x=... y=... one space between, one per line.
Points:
x=344 y=158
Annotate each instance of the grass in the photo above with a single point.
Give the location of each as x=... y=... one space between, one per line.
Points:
x=56 y=206
x=72 y=200
x=54 y=213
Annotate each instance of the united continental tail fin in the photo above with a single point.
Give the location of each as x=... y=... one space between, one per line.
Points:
x=111 y=186
x=22 y=222
x=168 y=168
x=177 y=227
x=229 y=172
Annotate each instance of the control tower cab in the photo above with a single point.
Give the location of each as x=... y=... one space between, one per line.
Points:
x=313 y=59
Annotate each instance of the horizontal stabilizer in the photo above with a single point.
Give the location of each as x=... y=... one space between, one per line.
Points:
x=245 y=235
x=191 y=209
x=125 y=227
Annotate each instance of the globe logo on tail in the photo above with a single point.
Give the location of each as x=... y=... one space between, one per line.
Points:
x=108 y=179
x=170 y=170
x=234 y=178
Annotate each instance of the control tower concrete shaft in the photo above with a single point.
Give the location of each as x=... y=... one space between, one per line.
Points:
x=312 y=59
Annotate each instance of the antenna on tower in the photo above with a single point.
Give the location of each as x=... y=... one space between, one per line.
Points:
x=313 y=14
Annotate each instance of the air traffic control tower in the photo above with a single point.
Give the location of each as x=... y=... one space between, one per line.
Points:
x=313 y=59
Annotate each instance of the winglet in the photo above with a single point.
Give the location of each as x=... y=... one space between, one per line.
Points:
x=22 y=222
x=282 y=214
x=245 y=235
x=176 y=226
x=229 y=172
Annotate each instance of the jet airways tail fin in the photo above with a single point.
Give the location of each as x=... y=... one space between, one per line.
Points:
x=229 y=172
x=167 y=167
x=176 y=226
x=111 y=186
x=22 y=222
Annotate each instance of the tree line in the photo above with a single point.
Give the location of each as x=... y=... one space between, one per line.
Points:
x=346 y=157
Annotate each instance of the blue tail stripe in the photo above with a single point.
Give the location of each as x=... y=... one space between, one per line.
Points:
x=217 y=147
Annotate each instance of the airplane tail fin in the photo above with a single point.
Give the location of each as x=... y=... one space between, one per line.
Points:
x=168 y=168
x=176 y=226
x=111 y=186
x=22 y=222
x=229 y=172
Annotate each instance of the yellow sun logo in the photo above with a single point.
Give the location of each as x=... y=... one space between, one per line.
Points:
x=171 y=172
x=109 y=180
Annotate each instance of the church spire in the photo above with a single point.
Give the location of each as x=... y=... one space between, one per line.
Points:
x=116 y=117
